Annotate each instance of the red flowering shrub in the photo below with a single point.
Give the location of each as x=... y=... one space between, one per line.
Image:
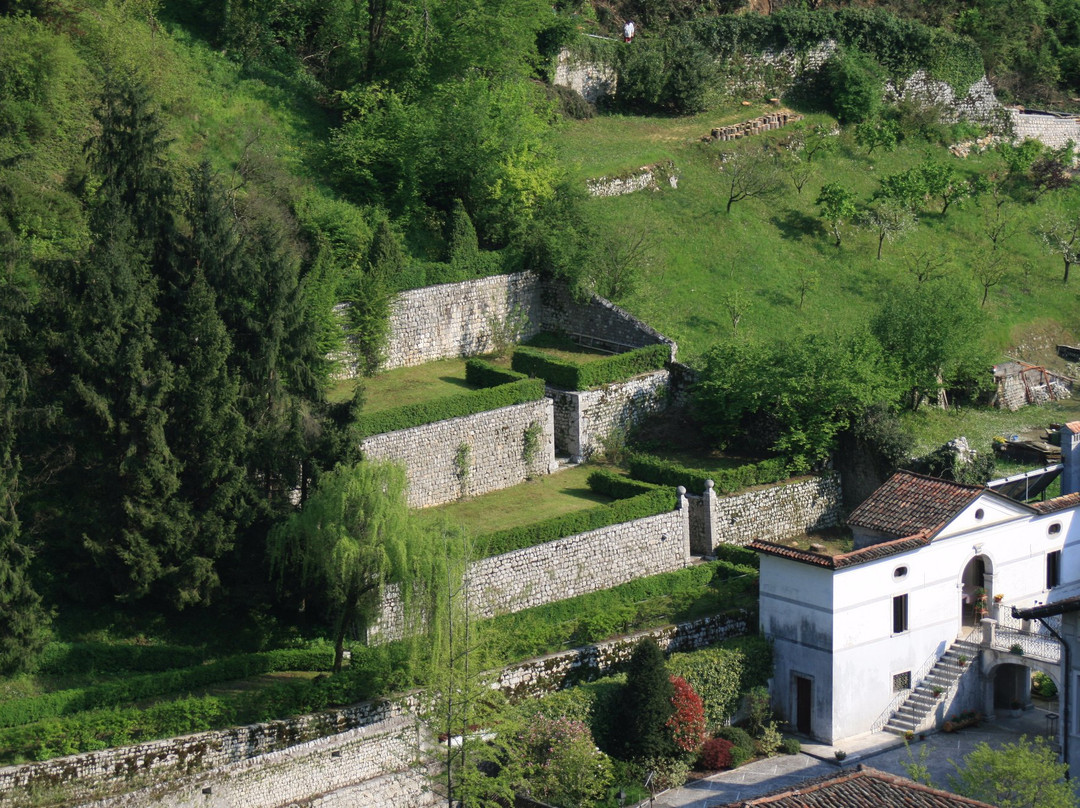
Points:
x=716 y=754
x=687 y=723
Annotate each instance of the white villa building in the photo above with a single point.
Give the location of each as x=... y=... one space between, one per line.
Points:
x=914 y=625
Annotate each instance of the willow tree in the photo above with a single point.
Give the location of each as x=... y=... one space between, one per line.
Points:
x=353 y=536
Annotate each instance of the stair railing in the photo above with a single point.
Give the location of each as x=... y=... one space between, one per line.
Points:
x=900 y=697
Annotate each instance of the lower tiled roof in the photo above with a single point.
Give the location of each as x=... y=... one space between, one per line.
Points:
x=1057 y=503
x=861 y=788
x=836 y=562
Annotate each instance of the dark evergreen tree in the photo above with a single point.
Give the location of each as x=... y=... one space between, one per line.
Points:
x=646 y=704
x=369 y=312
x=23 y=621
x=463 y=247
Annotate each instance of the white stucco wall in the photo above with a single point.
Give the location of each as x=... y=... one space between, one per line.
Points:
x=853 y=608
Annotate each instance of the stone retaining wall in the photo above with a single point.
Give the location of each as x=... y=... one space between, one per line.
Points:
x=457 y=319
x=978 y=104
x=562 y=569
x=584 y=419
x=1054 y=131
x=495 y=455
x=597 y=322
x=769 y=513
x=555 y=671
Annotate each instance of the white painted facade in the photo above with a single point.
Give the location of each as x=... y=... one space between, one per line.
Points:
x=833 y=625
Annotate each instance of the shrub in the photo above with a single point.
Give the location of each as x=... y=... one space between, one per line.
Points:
x=612 y=484
x=742 y=748
x=410 y=415
x=571 y=376
x=716 y=754
x=561 y=762
x=668 y=772
x=737 y=555
x=1043 y=686
x=791 y=746
x=854 y=83
x=715 y=674
x=64 y=658
x=687 y=722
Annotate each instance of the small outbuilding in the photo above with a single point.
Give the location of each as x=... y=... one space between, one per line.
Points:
x=1018 y=383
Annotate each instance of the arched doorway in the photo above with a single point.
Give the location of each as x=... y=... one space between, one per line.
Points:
x=1012 y=687
x=976 y=590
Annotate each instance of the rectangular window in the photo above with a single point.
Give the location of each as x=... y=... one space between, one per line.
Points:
x=901 y=681
x=899 y=614
x=1053 y=569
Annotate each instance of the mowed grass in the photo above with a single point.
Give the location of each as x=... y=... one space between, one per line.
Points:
x=702 y=254
x=415 y=385
x=541 y=498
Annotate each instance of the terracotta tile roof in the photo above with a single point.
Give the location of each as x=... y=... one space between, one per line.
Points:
x=871 y=553
x=908 y=503
x=1057 y=503
x=860 y=788
x=1073 y=426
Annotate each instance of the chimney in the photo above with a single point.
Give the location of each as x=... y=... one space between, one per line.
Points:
x=1070 y=457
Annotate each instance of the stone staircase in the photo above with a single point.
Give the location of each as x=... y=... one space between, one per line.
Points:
x=921 y=702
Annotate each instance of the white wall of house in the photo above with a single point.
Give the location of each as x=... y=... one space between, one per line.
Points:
x=839 y=624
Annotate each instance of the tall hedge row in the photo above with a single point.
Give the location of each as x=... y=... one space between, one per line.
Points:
x=611 y=484
x=481 y=373
x=652 y=469
x=135 y=688
x=570 y=524
x=900 y=46
x=428 y=412
x=67 y=658
x=571 y=376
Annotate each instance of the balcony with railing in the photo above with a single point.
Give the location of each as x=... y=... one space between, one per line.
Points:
x=1029 y=638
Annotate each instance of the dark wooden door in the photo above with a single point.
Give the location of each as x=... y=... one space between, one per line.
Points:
x=804 y=694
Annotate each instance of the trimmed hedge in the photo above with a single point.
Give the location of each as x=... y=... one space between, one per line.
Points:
x=112 y=694
x=652 y=469
x=737 y=555
x=80 y=658
x=483 y=374
x=656 y=501
x=428 y=412
x=571 y=376
x=611 y=484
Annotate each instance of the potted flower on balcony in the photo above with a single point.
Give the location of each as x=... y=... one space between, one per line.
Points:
x=938 y=691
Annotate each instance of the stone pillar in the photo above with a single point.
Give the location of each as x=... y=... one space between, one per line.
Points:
x=708 y=504
x=683 y=506
x=988 y=626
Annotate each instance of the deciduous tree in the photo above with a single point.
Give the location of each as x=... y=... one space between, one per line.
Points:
x=836 y=205
x=1023 y=774
x=752 y=173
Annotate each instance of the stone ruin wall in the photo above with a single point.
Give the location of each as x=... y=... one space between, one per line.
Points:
x=584 y=419
x=496 y=452
x=651 y=178
x=565 y=568
x=592 y=80
x=768 y=513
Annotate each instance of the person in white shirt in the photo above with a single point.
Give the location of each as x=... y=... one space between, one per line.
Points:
x=628 y=31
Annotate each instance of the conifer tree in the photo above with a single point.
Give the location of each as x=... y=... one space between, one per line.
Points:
x=464 y=248
x=647 y=703
x=370 y=310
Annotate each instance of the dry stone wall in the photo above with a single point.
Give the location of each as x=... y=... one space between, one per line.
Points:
x=576 y=565
x=1055 y=131
x=597 y=322
x=584 y=419
x=470 y=455
x=457 y=319
x=978 y=104
x=769 y=513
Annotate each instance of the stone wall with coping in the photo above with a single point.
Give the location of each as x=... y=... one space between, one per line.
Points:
x=457 y=319
x=770 y=513
x=496 y=456
x=562 y=569
x=81 y=777
x=1051 y=130
x=583 y=419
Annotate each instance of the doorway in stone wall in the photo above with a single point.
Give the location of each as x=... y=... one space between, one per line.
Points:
x=804 y=702
x=975 y=591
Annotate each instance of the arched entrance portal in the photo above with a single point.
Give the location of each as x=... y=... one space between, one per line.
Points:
x=1012 y=687
x=976 y=590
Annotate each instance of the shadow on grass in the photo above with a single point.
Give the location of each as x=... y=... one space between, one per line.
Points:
x=796 y=225
x=457 y=381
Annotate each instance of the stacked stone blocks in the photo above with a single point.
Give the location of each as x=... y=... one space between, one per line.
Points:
x=766 y=123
